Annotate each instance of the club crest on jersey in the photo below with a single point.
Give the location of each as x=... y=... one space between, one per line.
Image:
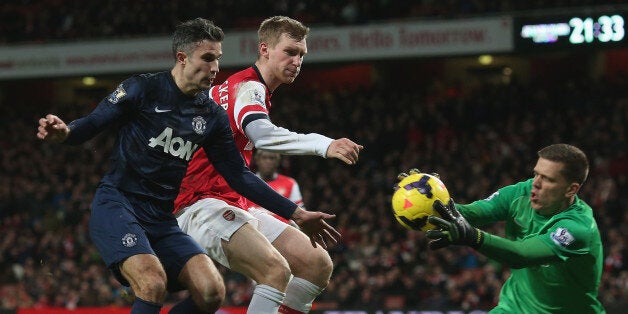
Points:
x=117 y=94
x=129 y=240
x=228 y=215
x=562 y=237
x=199 y=124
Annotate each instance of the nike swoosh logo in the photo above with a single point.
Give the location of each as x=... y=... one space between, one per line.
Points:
x=161 y=110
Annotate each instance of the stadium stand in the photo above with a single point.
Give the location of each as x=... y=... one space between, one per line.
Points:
x=45 y=21
x=476 y=136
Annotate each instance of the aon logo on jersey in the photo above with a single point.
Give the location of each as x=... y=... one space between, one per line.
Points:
x=174 y=146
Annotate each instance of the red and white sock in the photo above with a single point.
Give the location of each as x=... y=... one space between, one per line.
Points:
x=300 y=294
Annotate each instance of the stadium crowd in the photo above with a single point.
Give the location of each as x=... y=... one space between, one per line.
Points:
x=477 y=138
x=37 y=21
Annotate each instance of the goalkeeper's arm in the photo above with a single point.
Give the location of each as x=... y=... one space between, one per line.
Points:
x=456 y=230
x=517 y=254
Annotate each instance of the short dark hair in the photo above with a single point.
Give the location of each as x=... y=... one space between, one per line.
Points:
x=576 y=164
x=271 y=29
x=260 y=152
x=192 y=32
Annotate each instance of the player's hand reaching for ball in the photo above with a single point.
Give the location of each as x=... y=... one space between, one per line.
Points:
x=345 y=150
x=313 y=224
x=52 y=129
x=453 y=228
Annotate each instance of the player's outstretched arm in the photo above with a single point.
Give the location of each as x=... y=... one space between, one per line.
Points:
x=345 y=150
x=52 y=129
x=455 y=229
x=313 y=224
x=518 y=254
x=267 y=136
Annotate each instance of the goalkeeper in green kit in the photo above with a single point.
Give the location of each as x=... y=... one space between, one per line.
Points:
x=552 y=243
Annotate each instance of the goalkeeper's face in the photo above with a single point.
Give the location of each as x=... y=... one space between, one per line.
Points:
x=551 y=193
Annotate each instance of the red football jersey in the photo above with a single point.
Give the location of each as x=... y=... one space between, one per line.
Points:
x=286 y=186
x=245 y=97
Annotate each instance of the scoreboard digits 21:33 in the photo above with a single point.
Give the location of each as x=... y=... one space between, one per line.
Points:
x=602 y=30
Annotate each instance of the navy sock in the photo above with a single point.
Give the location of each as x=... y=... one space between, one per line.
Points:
x=144 y=307
x=185 y=306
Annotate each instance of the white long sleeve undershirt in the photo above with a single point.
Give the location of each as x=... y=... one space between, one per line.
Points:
x=267 y=136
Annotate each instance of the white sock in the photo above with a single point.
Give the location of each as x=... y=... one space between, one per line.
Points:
x=265 y=300
x=300 y=294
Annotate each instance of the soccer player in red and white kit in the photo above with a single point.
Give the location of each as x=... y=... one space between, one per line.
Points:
x=267 y=164
x=253 y=242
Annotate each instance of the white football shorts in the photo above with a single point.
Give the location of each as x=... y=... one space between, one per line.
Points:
x=210 y=220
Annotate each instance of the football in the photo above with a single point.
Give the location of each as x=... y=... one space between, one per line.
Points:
x=413 y=199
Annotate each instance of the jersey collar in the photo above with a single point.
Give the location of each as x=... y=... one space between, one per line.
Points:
x=261 y=79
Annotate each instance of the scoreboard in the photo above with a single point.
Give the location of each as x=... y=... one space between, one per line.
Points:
x=570 y=31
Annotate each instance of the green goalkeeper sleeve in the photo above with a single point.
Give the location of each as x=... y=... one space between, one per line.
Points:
x=517 y=254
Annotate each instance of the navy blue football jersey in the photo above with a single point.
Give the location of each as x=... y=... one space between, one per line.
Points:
x=160 y=128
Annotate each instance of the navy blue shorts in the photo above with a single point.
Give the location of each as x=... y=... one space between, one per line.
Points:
x=124 y=225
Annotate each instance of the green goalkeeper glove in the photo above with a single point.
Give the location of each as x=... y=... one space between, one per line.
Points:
x=453 y=228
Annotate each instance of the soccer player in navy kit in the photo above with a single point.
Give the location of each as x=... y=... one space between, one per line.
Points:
x=163 y=119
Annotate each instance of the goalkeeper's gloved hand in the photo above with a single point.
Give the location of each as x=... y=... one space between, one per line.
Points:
x=403 y=175
x=453 y=228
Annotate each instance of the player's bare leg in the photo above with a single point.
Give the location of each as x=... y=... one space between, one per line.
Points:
x=205 y=285
x=148 y=281
x=251 y=254
x=311 y=267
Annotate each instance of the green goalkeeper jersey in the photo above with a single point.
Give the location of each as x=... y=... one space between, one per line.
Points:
x=556 y=261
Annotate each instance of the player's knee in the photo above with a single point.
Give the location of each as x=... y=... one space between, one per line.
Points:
x=322 y=267
x=326 y=265
x=204 y=282
x=151 y=286
x=316 y=267
x=146 y=276
x=278 y=271
x=211 y=298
